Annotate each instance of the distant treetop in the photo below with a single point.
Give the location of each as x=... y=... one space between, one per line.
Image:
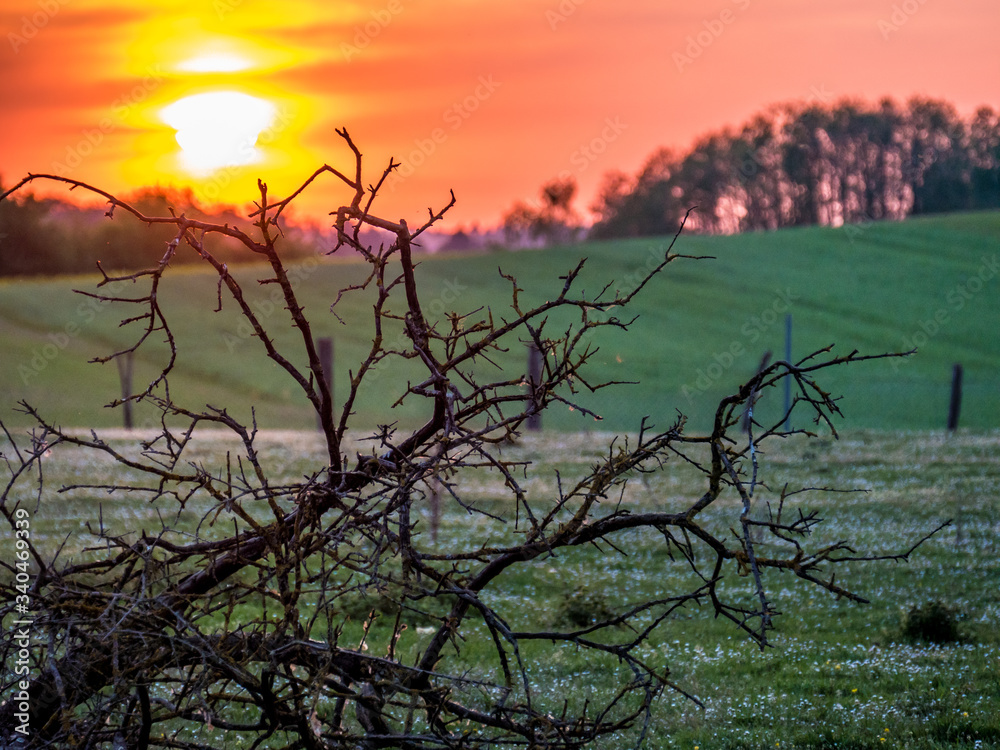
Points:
x=804 y=164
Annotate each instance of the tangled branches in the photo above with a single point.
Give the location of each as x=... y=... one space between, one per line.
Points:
x=266 y=637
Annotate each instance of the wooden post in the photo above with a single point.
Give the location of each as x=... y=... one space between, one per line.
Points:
x=125 y=378
x=534 y=379
x=325 y=346
x=788 y=378
x=956 y=398
x=436 y=486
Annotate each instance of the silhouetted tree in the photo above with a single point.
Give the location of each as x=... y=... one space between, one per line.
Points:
x=551 y=220
x=650 y=204
x=30 y=241
x=805 y=165
x=51 y=236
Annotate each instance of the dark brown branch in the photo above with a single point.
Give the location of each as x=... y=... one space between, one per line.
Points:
x=256 y=633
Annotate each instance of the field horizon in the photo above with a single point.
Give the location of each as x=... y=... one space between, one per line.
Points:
x=927 y=283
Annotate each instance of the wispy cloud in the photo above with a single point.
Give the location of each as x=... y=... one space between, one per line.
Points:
x=391 y=70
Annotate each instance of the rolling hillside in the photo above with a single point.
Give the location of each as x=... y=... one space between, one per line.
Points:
x=703 y=326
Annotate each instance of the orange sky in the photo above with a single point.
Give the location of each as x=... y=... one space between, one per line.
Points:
x=488 y=98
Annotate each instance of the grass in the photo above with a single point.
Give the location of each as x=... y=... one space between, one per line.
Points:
x=702 y=327
x=839 y=675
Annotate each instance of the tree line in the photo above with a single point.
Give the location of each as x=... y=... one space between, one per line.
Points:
x=792 y=165
x=810 y=164
x=52 y=236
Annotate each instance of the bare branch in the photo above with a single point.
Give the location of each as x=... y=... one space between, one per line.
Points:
x=285 y=612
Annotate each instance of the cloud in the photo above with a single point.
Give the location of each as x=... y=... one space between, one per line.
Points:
x=64 y=63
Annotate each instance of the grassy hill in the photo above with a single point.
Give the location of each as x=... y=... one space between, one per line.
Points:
x=928 y=282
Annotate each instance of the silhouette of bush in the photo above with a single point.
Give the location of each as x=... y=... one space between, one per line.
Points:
x=584 y=607
x=933 y=621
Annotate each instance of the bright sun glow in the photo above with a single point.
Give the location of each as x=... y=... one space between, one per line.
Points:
x=215 y=63
x=218 y=129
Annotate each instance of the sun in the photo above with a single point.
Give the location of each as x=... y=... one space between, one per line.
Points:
x=217 y=62
x=218 y=129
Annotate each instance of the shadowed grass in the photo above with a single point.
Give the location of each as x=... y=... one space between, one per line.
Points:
x=839 y=675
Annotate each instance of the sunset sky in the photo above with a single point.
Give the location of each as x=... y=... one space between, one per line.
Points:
x=488 y=98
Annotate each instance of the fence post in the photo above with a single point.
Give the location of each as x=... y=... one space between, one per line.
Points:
x=956 y=398
x=325 y=345
x=748 y=410
x=788 y=378
x=534 y=379
x=125 y=378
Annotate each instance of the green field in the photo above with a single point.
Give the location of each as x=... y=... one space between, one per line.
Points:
x=702 y=327
x=839 y=675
